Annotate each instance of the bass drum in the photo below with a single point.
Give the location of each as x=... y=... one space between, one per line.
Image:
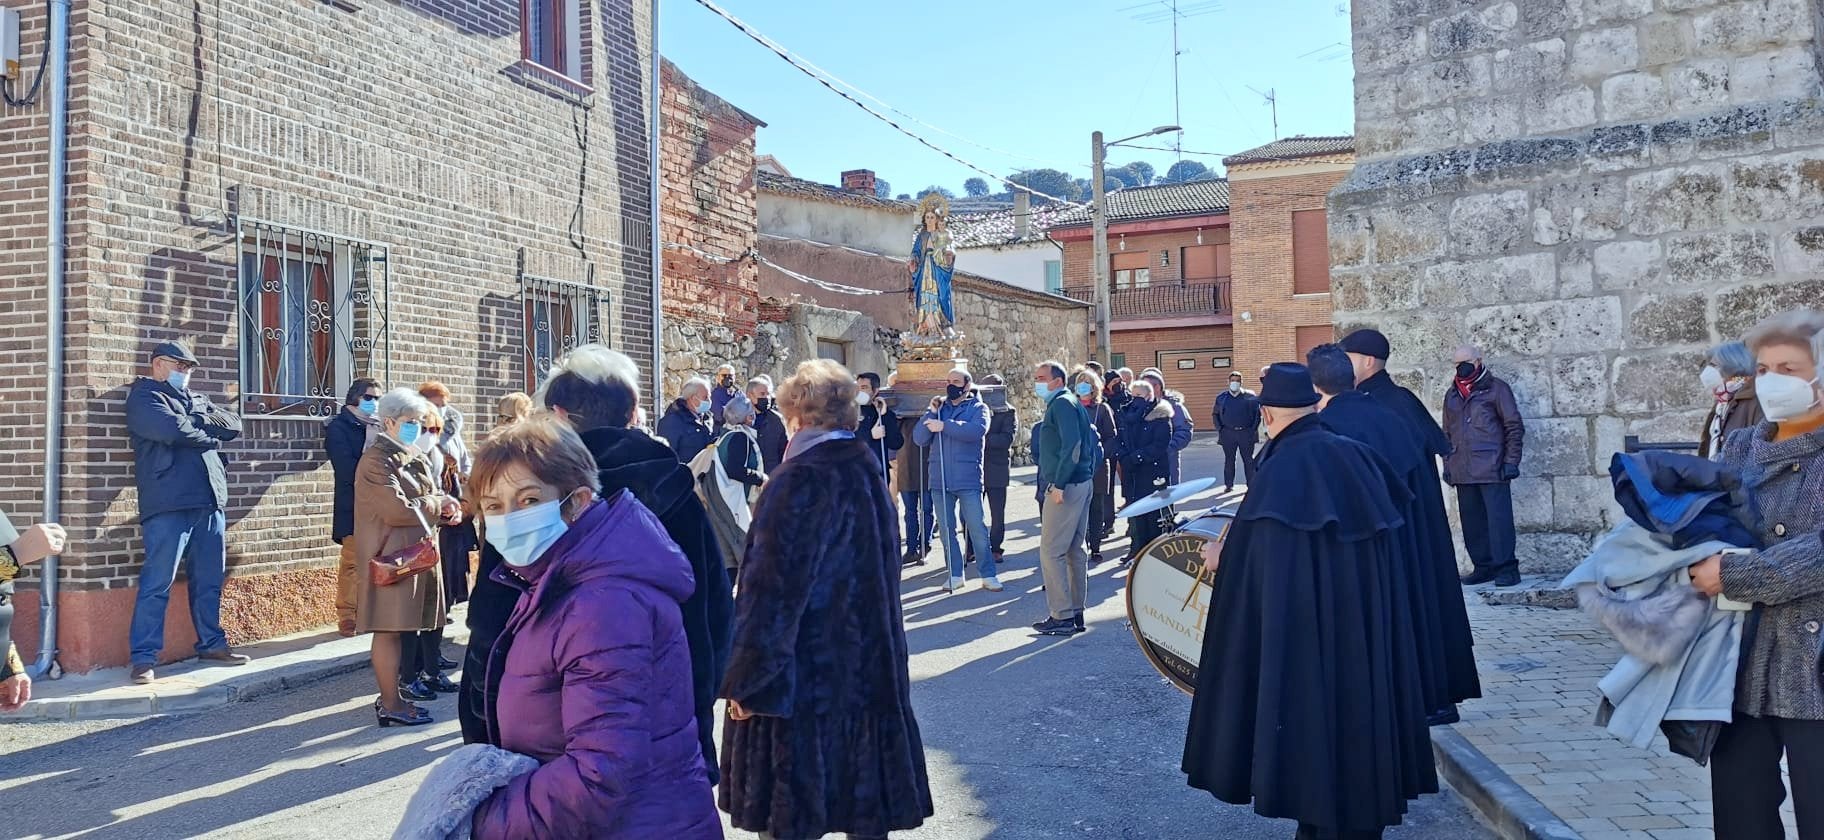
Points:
x=1167 y=619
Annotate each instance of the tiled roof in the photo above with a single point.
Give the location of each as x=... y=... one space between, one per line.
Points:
x=1292 y=148
x=995 y=227
x=1160 y=201
x=787 y=185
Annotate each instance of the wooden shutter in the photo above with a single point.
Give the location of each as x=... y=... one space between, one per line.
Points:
x=1309 y=337
x=1310 y=253
x=1130 y=260
x=1206 y=262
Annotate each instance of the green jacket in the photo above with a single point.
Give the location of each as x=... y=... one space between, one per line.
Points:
x=1061 y=437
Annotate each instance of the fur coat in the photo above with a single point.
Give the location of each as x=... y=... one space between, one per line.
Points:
x=819 y=659
x=444 y=804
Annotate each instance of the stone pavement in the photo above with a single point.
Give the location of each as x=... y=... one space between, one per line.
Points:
x=1539 y=671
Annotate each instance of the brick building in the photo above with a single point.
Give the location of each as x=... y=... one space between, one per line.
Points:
x=308 y=192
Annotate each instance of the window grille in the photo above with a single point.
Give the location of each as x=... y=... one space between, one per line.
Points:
x=558 y=317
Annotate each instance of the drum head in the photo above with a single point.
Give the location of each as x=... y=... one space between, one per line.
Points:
x=1168 y=620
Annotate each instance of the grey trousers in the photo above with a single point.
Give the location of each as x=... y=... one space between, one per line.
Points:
x=1063 y=560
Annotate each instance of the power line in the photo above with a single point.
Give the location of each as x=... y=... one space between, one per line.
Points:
x=831 y=83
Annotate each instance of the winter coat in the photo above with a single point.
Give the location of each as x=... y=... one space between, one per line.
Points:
x=718 y=400
x=1485 y=432
x=592 y=677
x=1237 y=417
x=892 y=438
x=997 y=448
x=687 y=431
x=397 y=496
x=345 y=437
x=1743 y=411
x=1410 y=408
x=820 y=660
x=443 y=807
x=1108 y=434
x=909 y=464
x=1146 y=448
x=954 y=457
x=1182 y=429
x=176 y=436
x=1785 y=577
x=771 y=427
x=740 y=454
x=1064 y=436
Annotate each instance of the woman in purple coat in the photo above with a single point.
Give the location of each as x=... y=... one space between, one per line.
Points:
x=821 y=738
x=592 y=674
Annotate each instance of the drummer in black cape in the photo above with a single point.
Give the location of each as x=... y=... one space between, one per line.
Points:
x=1441 y=624
x=1308 y=703
x=1368 y=351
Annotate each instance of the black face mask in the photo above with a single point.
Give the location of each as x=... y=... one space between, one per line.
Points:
x=1466 y=370
x=764 y=404
x=955 y=392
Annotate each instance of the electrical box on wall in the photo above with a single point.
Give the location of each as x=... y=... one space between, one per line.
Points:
x=9 y=43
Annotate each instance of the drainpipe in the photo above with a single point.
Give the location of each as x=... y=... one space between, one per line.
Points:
x=59 y=58
x=658 y=243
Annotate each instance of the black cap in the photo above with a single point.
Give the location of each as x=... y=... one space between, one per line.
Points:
x=174 y=350
x=1287 y=385
x=1367 y=343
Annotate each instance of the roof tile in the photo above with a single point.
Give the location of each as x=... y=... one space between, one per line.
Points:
x=1293 y=148
x=1160 y=201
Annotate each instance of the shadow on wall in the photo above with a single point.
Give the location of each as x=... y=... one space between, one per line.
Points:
x=499 y=356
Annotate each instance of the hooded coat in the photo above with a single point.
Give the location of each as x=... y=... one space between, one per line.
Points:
x=1447 y=657
x=628 y=460
x=1308 y=700
x=820 y=660
x=592 y=677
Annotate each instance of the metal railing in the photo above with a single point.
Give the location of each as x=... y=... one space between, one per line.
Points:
x=1160 y=300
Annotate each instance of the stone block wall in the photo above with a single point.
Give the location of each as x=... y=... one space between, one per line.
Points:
x=1595 y=192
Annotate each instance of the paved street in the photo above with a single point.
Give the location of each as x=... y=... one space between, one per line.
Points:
x=1027 y=737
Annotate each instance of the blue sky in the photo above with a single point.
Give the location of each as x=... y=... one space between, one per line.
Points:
x=1029 y=78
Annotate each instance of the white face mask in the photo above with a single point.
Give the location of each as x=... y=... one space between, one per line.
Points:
x=426 y=442
x=1784 y=397
x=1712 y=378
x=863 y=398
x=1234 y=387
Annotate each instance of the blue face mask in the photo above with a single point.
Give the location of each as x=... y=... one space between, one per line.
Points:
x=368 y=407
x=1042 y=390
x=704 y=407
x=179 y=380
x=408 y=433
x=1084 y=389
x=525 y=535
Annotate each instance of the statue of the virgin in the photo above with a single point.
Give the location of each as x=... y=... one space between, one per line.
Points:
x=932 y=264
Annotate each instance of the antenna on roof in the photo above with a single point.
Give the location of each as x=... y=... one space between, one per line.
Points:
x=1161 y=11
x=1272 y=97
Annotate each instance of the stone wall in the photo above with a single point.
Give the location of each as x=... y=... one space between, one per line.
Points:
x=1007 y=330
x=1594 y=191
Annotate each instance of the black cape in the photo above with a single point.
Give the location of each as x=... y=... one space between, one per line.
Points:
x=1446 y=653
x=1308 y=701
x=1408 y=405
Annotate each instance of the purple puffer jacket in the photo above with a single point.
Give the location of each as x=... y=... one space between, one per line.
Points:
x=592 y=676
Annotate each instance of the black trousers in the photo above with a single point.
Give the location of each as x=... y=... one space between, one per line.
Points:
x=1310 y=832
x=1745 y=784
x=1245 y=446
x=1487 y=511
x=997 y=517
x=418 y=653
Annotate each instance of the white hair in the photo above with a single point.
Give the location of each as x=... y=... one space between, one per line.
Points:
x=762 y=379
x=1146 y=385
x=693 y=386
x=403 y=404
x=597 y=365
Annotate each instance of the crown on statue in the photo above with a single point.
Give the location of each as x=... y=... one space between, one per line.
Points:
x=934 y=202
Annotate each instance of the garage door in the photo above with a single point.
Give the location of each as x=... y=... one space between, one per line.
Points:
x=1199 y=374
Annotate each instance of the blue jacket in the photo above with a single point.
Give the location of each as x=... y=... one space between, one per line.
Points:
x=954 y=457
x=175 y=437
x=687 y=431
x=1181 y=434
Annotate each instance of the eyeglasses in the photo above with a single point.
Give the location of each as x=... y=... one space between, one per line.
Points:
x=371 y=397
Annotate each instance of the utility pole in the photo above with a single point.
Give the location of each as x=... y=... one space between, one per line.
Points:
x=1098 y=215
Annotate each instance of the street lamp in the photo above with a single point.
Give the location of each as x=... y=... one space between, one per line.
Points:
x=1098 y=215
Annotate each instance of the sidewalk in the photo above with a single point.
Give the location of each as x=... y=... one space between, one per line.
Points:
x=278 y=664
x=1539 y=670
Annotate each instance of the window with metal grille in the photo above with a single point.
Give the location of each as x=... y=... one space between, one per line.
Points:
x=312 y=317
x=551 y=35
x=558 y=317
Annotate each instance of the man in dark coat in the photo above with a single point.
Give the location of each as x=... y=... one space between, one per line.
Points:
x=1368 y=351
x=767 y=422
x=1482 y=422
x=345 y=437
x=1145 y=442
x=686 y=423
x=597 y=390
x=1237 y=419
x=1308 y=701
x=997 y=470
x=1182 y=426
x=721 y=391
x=879 y=430
x=1445 y=646
x=915 y=502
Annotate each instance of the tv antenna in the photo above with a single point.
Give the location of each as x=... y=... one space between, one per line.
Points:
x=1162 y=11
x=1271 y=95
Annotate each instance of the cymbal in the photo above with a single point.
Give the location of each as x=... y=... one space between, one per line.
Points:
x=1165 y=498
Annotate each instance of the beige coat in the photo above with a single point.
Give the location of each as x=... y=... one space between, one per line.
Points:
x=390 y=481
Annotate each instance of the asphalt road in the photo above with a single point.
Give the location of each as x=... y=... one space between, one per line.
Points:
x=1026 y=737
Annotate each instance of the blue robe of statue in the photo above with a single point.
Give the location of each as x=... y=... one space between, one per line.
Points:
x=930 y=277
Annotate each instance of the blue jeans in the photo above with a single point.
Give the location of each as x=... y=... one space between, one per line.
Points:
x=194 y=534
x=971 y=503
x=918 y=542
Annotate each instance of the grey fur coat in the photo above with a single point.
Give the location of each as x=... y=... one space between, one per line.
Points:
x=456 y=786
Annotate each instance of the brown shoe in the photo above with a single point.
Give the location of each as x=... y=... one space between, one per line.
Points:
x=346 y=627
x=224 y=657
x=142 y=675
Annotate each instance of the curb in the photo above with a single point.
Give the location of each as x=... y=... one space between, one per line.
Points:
x=1512 y=812
x=178 y=698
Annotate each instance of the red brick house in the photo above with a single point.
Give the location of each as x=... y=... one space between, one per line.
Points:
x=307 y=192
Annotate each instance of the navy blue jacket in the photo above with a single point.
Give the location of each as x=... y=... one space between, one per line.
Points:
x=1237 y=416
x=344 y=439
x=954 y=456
x=175 y=437
x=687 y=431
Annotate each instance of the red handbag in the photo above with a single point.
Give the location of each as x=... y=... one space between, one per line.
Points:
x=407 y=562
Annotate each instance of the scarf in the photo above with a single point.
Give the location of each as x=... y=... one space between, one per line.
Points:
x=805 y=440
x=1725 y=398
x=1465 y=385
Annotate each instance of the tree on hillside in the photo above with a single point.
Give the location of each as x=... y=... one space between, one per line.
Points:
x=1051 y=182
x=935 y=189
x=1119 y=178
x=882 y=189
x=1186 y=171
x=1142 y=171
x=975 y=187
x=904 y=197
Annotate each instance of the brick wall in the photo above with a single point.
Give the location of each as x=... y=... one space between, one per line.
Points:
x=707 y=202
x=1161 y=348
x=1268 y=316
x=1079 y=256
x=408 y=124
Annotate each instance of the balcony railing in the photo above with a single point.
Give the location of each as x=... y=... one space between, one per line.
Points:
x=1161 y=300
